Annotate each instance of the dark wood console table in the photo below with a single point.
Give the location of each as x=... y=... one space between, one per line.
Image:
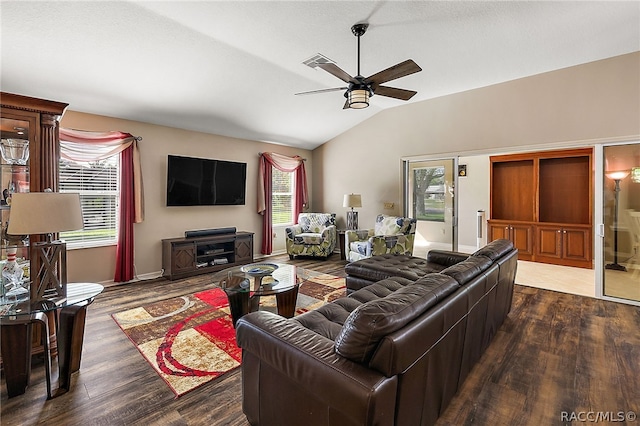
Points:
x=184 y=257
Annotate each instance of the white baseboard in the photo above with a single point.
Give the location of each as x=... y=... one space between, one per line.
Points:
x=149 y=276
x=137 y=278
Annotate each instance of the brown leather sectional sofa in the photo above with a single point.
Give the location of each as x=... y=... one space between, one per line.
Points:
x=393 y=352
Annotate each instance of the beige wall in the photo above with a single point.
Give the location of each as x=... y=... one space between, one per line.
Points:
x=581 y=105
x=577 y=106
x=474 y=190
x=170 y=222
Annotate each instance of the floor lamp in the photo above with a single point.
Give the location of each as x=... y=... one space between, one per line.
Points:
x=616 y=177
x=46 y=213
x=352 y=200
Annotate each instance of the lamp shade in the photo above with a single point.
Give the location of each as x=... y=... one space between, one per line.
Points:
x=617 y=175
x=359 y=98
x=44 y=213
x=352 y=200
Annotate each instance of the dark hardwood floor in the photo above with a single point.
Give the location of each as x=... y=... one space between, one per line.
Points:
x=555 y=353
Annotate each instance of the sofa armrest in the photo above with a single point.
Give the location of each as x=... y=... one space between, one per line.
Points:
x=446 y=258
x=357 y=235
x=292 y=231
x=329 y=232
x=310 y=360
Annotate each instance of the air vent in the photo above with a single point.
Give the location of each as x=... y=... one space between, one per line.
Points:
x=316 y=60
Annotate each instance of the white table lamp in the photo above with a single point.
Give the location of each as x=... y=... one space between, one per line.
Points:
x=46 y=213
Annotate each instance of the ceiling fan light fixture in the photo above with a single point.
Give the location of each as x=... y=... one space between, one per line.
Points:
x=358 y=98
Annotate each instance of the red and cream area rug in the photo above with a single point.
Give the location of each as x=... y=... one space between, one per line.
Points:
x=190 y=340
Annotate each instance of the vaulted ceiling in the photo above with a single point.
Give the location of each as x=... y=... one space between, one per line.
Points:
x=233 y=67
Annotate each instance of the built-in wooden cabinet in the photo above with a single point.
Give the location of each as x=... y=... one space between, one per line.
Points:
x=542 y=201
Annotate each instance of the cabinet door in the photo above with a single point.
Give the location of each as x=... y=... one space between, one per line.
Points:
x=576 y=244
x=522 y=237
x=244 y=249
x=520 y=234
x=549 y=241
x=498 y=231
x=184 y=258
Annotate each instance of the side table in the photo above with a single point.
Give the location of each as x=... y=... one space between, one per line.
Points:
x=16 y=320
x=341 y=241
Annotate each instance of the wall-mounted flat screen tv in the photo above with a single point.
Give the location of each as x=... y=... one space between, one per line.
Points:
x=205 y=182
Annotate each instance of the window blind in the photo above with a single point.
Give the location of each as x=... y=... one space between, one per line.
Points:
x=99 y=187
x=282 y=197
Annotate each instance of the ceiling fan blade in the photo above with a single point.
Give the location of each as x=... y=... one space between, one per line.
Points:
x=337 y=71
x=312 y=92
x=393 y=92
x=399 y=70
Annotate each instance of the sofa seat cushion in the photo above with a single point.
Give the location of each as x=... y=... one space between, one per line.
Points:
x=328 y=319
x=377 y=268
x=371 y=321
x=468 y=269
x=308 y=238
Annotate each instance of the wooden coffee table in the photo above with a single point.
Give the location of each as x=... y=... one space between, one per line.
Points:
x=244 y=285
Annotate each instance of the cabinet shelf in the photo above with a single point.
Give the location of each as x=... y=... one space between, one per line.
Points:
x=222 y=253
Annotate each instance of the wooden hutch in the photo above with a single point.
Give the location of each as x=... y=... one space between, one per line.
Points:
x=543 y=202
x=36 y=120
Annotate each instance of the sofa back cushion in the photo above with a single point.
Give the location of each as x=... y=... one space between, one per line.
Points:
x=316 y=222
x=468 y=269
x=495 y=249
x=371 y=321
x=394 y=225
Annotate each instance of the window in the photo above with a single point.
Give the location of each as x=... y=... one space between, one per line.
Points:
x=428 y=193
x=282 y=197
x=98 y=184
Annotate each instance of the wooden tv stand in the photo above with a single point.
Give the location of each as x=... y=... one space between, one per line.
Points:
x=184 y=257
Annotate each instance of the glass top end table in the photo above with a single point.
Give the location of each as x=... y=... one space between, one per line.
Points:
x=76 y=293
x=16 y=318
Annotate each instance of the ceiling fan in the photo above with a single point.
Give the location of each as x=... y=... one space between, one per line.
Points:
x=360 y=89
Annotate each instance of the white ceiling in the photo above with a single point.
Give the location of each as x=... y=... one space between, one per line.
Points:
x=232 y=67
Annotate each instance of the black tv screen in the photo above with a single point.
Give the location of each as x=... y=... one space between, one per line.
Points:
x=204 y=182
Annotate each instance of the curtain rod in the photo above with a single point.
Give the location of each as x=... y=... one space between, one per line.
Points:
x=260 y=153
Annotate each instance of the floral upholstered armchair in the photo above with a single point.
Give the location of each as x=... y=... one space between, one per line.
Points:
x=391 y=234
x=314 y=235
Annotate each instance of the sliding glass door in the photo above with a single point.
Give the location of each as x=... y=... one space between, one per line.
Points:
x=430 y=198
x=620 y=229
